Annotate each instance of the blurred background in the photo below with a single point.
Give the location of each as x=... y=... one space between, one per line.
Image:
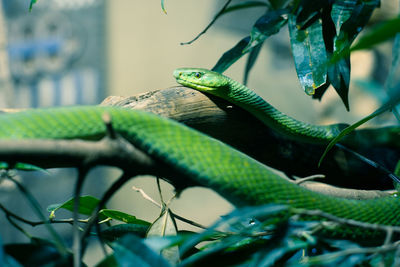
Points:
x=80 y=51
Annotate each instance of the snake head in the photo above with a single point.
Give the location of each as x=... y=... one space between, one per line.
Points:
x=201 y=79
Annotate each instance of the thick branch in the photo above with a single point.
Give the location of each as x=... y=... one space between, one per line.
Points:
x=234 y=126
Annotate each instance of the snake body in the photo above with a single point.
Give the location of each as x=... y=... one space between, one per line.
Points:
x=202 y=160
x=222 y=86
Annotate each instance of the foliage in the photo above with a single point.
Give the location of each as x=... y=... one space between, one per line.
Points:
x=322 y=34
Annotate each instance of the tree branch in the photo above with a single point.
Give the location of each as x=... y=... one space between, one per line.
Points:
x=235 y=127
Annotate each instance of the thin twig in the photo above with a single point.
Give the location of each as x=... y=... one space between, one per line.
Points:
x=372 y=163
x=351 y=222
x=210 y=24
x=309 y=178
x=37 y=209
x=146 y=196
x=106 y=117
x=76 y=247
x=107 y=195
x=350 y=251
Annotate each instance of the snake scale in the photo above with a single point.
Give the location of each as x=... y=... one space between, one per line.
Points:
x=200 y=159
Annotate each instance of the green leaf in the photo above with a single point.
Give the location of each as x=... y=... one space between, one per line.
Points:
x=132 y=251
x=378 y=34
x=385 y=107
x=265 y=26
x=244 y=5
x=31 y=4
x=114 y=232
x=109 y=261
x=35 y=254
x=349 y=18
x=87 y=204
x=163 y=7
x=341 y=12
x=231 y=56
x=251 y=60
x=122 y=216
x=165 y=226
x=309 y=54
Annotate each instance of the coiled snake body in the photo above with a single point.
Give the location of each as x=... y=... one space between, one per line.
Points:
x=202 y=160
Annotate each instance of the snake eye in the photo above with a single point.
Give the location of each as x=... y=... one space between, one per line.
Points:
x=197 y=75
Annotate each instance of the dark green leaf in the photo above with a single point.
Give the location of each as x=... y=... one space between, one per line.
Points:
x=231 y=56
x=38 y=254
x=114 y=232
x=265 y=26
x=122 y=217
x=227 y=9
x=131 y=251
x=309 y=54
x=341 y=12
x=244 y=5
x=87 y=204
x=309 y=11
x=394 y=100
x=31 y=4
x=339 y=77
x=379 y=34
x=109 y=261
x=251 y=60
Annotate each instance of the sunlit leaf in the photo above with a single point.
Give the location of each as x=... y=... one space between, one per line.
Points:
x=87 y=204
x=309 y=54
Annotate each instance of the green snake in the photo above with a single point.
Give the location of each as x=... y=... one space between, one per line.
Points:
x=224 y=87
x=201 y=160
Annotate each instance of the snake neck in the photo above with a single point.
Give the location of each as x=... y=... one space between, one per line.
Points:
x=247 y=99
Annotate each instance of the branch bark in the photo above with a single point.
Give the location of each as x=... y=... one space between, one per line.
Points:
x=234 y=126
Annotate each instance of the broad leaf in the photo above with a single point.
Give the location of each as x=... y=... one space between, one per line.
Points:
x=309 y=54
x=87 y=204
x=267 y=25
x=231 y=56
x=165 y=226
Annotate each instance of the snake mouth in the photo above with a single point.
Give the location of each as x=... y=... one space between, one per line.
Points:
x=194 y=85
